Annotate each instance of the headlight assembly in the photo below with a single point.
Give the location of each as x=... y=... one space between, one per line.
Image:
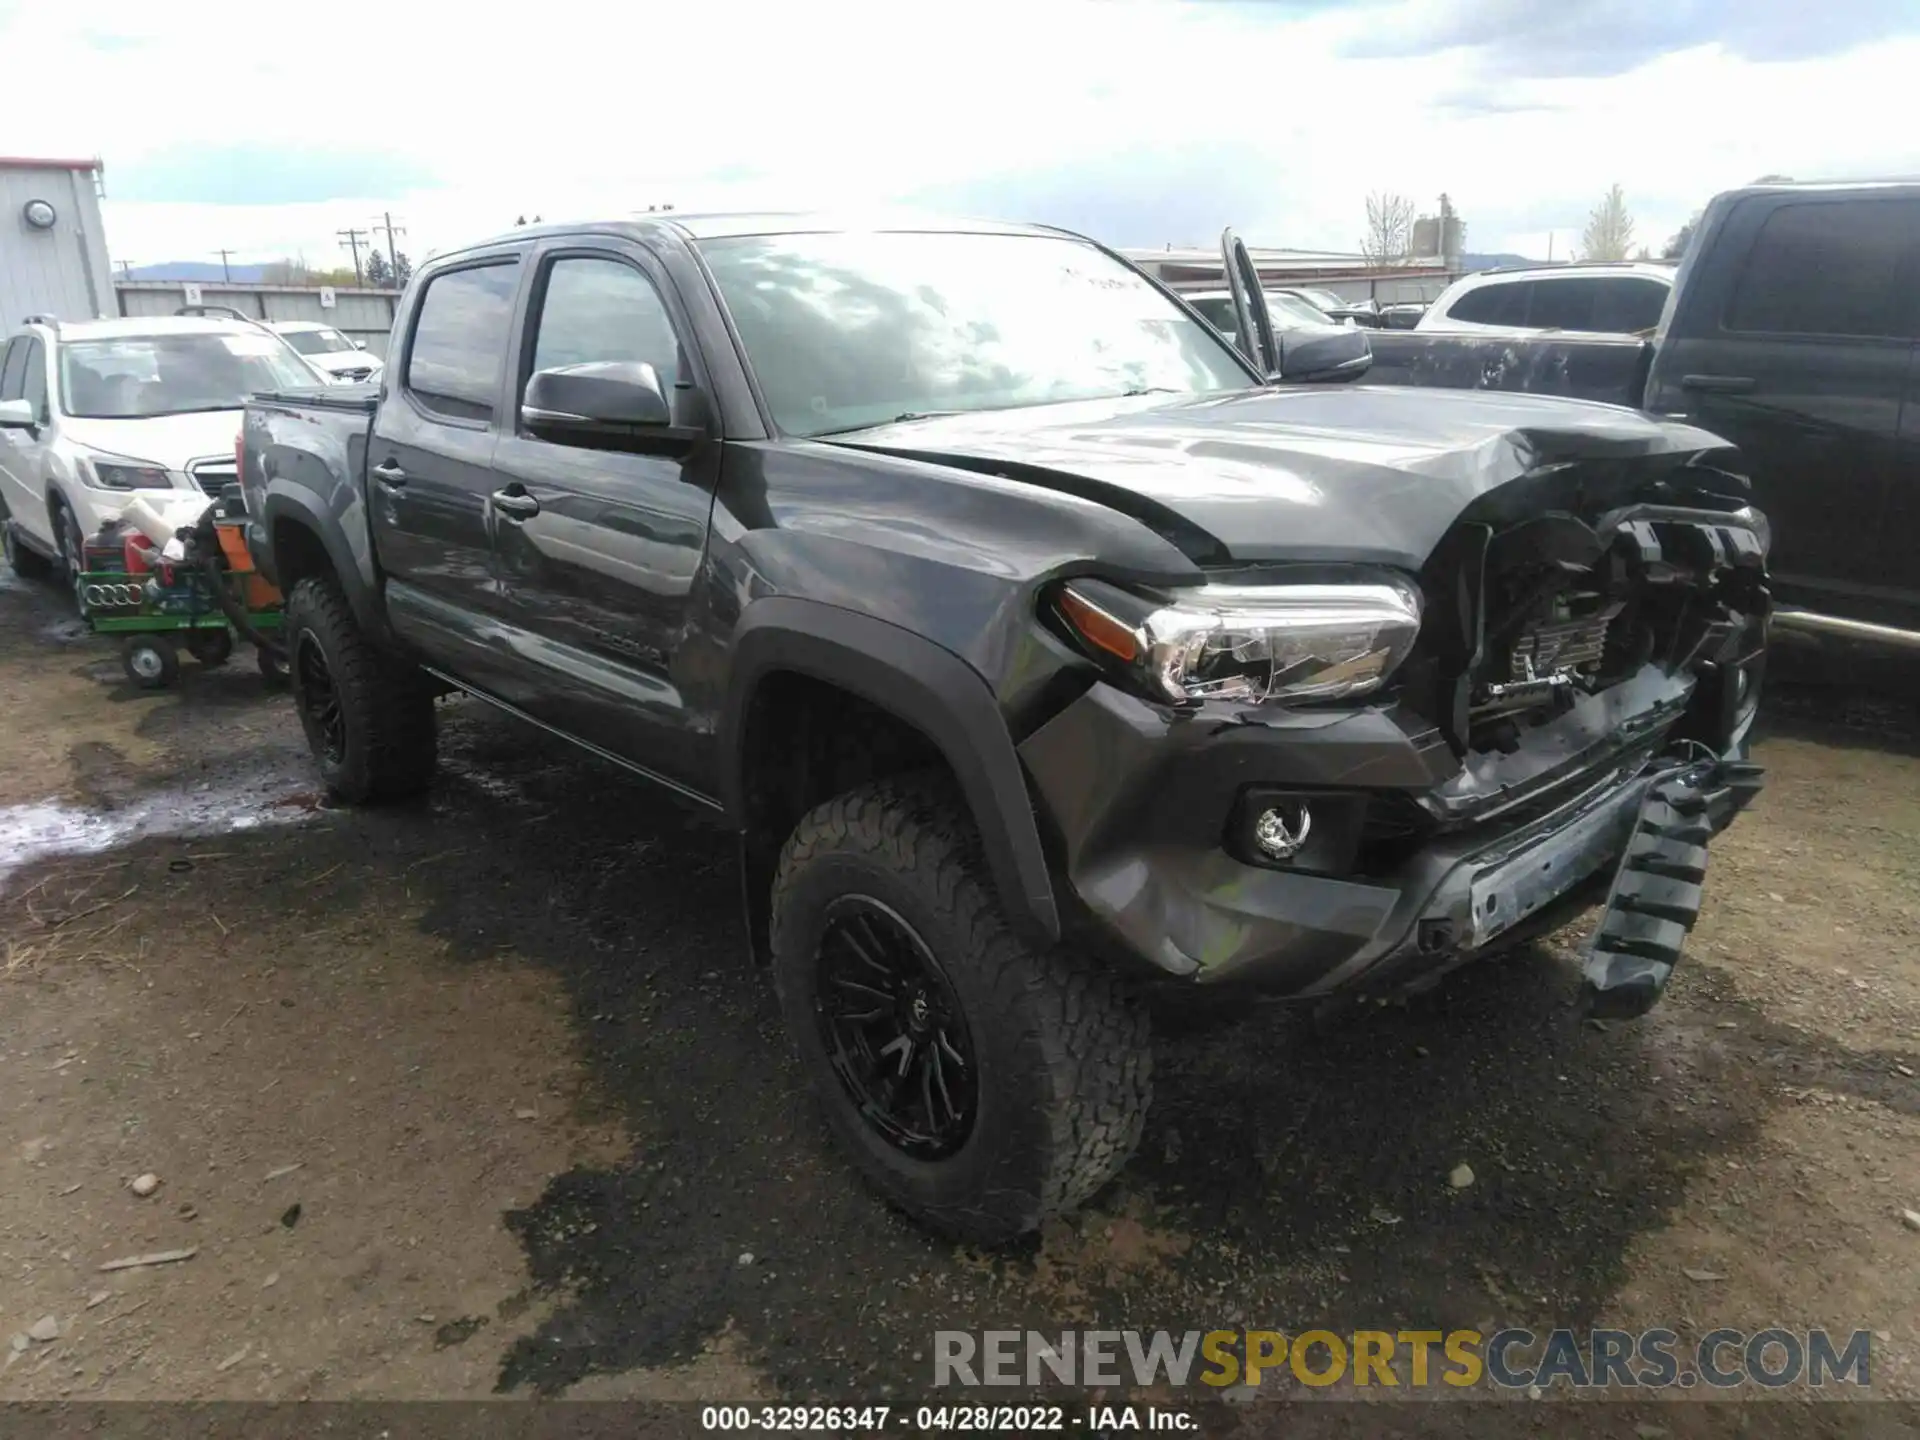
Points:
x=128 y=475
x=1250 y=643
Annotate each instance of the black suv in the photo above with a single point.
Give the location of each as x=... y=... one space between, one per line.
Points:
x=1041 y=647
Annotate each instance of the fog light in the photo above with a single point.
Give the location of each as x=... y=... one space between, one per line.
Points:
x=1281 y=837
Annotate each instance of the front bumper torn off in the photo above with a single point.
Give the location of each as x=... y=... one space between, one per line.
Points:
x=1656 y=892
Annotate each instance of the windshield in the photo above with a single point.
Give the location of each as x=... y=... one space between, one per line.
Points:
x=1323 y=300
x=1290 y=311
x=850 y=330
x=317 y=342
x=137 y=376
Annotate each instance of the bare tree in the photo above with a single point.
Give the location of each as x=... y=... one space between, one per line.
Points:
x=1609 y=232
x=1389 y=237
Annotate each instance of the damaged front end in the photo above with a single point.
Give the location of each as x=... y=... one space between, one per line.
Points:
x=1610 y=651
x=1567 y=731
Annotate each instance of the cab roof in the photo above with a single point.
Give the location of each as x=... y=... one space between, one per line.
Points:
x=697 y=227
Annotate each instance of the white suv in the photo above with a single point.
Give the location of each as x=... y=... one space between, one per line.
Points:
x=93 y=412
x=327 y=350
x=1616 y=299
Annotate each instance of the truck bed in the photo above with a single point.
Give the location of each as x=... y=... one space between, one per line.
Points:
x=1582 y=367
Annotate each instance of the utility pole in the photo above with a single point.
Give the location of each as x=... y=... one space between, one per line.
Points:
x=391 y=229
x=350 y=240
x=126 y=269
x=226 y=274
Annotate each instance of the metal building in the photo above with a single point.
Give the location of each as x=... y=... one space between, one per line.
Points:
x=53 y=247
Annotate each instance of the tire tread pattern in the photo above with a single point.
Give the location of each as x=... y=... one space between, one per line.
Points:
x=387 y=696
x=1072 y=1020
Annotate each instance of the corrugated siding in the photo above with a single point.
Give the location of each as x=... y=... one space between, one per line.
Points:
x=365 y=315
x=62 y=271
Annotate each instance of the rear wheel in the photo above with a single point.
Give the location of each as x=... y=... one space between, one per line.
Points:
x=22 y=559
x=977 y=1082
x=210 y=647
x=368 y=716
x=273 y=665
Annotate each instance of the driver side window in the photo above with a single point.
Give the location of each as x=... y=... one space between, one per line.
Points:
x=598 y=309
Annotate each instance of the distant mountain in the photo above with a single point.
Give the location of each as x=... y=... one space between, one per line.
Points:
x=1472 y=261
x=197 y=271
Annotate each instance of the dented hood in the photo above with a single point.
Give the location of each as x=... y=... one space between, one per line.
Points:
x=1312 y=473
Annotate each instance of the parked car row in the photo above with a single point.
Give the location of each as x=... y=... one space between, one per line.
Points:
x=93 y=413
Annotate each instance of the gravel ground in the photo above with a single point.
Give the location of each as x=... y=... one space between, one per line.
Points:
x=483 y=1096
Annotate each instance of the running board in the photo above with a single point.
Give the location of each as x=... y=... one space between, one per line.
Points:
x=1814 y=623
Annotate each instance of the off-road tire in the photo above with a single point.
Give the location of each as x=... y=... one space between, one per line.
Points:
x=22 y=558
x=1064 y=1056
x=389 y=745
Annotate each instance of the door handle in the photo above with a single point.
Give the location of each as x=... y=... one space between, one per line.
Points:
x=1718 y=384
x=390 y=474
x=516 y=504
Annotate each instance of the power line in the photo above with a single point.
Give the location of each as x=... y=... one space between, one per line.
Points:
x=350 y=240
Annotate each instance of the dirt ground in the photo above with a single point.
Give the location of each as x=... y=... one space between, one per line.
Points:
x=482 y=1097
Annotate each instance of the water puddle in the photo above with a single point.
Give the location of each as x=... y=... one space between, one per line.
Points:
x=45 y=829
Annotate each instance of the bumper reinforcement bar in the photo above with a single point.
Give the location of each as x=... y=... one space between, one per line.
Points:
x=1657 y=890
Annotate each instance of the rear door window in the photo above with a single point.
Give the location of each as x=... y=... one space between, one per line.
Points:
x=459 y=346
x=1831 y=267
x=1565 y=304
x=1629 y=303
x=1504 y=304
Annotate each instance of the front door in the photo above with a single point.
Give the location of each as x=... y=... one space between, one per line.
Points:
x=23 y=458
x=429 y=472
x=598 y=547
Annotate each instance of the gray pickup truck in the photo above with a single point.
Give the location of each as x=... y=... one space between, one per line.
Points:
x=1043 y=650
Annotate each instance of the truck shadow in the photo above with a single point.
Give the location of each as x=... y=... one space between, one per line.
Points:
x=1287 y=1176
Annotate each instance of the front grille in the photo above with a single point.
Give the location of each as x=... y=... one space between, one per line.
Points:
x=213 y=476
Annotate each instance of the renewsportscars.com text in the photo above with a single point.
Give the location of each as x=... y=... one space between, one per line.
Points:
x=1512 y=1359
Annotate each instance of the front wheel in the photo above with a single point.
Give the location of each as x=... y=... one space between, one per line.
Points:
x=151 y=661
x=979 y=1083
x=368 y=716
x=22 y=559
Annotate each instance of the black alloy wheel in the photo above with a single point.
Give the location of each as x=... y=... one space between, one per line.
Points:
x=320 y=699
x=894 y=1031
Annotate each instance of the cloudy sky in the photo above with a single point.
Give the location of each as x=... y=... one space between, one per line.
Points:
x=265 y=128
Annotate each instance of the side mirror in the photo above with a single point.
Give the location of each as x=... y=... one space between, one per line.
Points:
x=18 y=415
x=1322 y=356
x=600 y=395
x=359 y=344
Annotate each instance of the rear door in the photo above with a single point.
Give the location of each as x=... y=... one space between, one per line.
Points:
x=1795 y=344
x=13 y=489
x=598 y=545
x=429 y=468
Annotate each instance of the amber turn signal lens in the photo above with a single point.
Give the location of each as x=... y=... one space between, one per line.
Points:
x=1098 y=628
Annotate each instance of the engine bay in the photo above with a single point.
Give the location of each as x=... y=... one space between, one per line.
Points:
x=1527 y=618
